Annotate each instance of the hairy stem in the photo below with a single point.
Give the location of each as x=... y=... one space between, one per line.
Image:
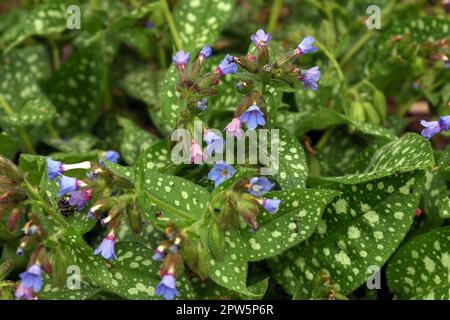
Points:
x=275 y=13
x=171 y=23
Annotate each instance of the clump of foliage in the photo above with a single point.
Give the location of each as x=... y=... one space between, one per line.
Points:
x=92 y=205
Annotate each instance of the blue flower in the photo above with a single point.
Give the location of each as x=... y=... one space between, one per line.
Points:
x=227 y=66
x=201 y=105
x=253 y=117
x=54 y=168
x=206 y=52
x=80 y=198
x=214 y=142
x=444 y=122
x=310 y=78
x=181 y=59
x=149 y=25
x=111 y=156
x=261 y=39
x=24 y=293
x=167 y=287
x=271 y=205
x=107 y=247
x=158 y=256
x=306 y=46
x=221 y=172
x=259 y=186
x=431 y=128
x=67 y=184
x=32 y=278
x=434 y=127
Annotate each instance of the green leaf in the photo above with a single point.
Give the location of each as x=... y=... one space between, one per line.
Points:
x=46 y=19
x=179 y=199
x=53 y=292
x=143 y=84
x=231 y=271
x=325 y=118
x=411 y=152
x=93 y=268
x=76 y=90
x=8 y=146
x=199 y=22
x=295 y=221
x=157 y=157
x=134 y=273
x=293 y=169
x=34 y=112
x=419 y=270
x=20 y=72
x=81 y=143
x=361 y=228
x=435 y=195
x=134 y=140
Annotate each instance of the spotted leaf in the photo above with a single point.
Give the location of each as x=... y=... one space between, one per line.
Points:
x=34 y=112
x=361 y=228
x=420 y=269
x=295 y=221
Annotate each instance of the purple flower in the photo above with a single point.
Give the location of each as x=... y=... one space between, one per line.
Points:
x=80 y=198
x=306 y=46
x=54 y=168
x=32 y=278
x=431 y=128
x=259 y=186
x=24 y=293
x=434 y=127
x=227 y=66
x=271 y=205
x=261 y=39
x=167 y=287
x=444 y=122
x=68 y=184
x=149 y=25
x=181 y=59
x=158 y=256
x=221 y=172
x=253 y=117
x=310 y=78
x=214 y=143
x=205 y=52
x=201 y=105
x=107 y=247
x=111 y=156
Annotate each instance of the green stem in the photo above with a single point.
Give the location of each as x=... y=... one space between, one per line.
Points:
x=275 y=13
x=366 y=37
x=40 y=201
x=53 y=132
x=55 y=53
x=332 y=59
x=162 y=56
x=173 y=29
x=27 y=144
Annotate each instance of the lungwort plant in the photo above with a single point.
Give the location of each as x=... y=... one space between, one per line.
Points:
x=222 y=149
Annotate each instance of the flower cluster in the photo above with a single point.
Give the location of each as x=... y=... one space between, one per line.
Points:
x=252 y=111
x=432 y=128
x=193 y=87
x=168 y=253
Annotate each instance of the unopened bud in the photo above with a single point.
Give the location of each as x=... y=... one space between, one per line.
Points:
x=5 y=268
x=135 y=220
x=13 y=219
x=9 y=169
